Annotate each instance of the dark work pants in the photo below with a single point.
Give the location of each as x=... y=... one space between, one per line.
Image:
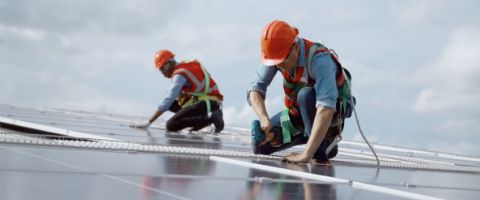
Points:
x=194 y=116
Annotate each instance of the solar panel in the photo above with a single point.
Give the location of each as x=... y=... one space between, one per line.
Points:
x=68 y=154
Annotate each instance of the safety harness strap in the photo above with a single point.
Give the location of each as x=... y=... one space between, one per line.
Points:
x=343 y=93
x=203 y=95
x=288 y=129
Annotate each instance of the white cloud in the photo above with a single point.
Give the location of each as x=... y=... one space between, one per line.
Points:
x=192 y=39
x=238 y=117
x=451 y=83
x=447 y=101
x=56 y=91
x=21 y=32
x=409 y=13
x=460 y=127
x=244 y=116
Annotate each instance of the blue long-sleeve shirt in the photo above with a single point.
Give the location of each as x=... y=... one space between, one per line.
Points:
x=178 y=81
x=322 y=69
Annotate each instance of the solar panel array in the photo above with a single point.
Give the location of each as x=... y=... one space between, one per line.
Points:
x=68 y=154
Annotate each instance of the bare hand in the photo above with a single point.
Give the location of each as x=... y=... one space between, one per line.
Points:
x=296 y=158
x=144 y=124
x=266 y=127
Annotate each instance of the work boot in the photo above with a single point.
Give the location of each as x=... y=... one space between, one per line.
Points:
x=320 y=155
x=217 y=120
x=333 y=152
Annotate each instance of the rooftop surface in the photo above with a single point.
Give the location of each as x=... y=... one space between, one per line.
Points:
x=68 y=154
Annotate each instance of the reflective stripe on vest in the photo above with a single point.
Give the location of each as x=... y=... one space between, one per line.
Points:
x=189 y=76
x=292 y=86
x=302 y=76
x=202 y=87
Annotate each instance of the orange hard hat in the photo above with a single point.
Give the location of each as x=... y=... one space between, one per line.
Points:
x=276 y=39
x=162 y=57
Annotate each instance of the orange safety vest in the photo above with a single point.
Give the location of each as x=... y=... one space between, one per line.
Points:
x=195 y=90
x=292 y=86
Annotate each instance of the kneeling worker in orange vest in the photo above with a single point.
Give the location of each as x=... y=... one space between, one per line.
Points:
x=194 y=96
x=317 y=96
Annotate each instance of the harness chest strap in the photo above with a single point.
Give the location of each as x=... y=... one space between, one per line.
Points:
x=343 y=89
x=201 y=90
x=288 y=129
x=301 y=78
x=203 y=95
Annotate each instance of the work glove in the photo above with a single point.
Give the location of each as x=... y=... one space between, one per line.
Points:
x=144 y=124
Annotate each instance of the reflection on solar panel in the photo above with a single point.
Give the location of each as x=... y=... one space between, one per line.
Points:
x=66 y=154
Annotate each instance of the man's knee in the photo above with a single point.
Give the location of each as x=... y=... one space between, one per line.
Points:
x=171 y=125
x=305 y=94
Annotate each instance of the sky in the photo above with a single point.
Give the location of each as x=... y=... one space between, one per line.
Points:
x=415 y=63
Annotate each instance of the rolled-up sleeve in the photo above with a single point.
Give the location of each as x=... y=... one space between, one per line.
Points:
x=178 y=81
x=263 y=78
x=324 y=71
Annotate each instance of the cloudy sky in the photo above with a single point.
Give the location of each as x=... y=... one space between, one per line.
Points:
x=415 y=64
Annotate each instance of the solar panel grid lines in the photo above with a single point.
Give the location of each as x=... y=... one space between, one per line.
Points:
x=414 y=152
x=178 y=163
x=389 y=157
x=126 y=146
x=50 y=129
x=250 y=179
x=135 y=147
x=160 y=124
x=346 y=149
x=325 y=179
x=90 y=170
